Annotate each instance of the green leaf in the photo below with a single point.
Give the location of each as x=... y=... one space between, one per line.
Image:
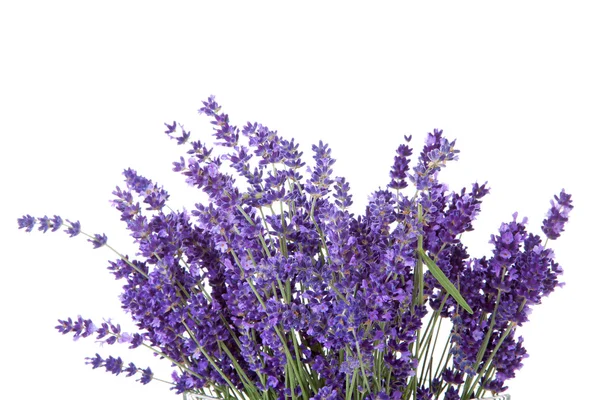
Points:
x=444 y=281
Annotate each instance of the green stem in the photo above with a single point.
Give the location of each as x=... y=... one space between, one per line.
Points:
x=469 y=383
x=212 y=362
x=260 y=236
x=286 y=350
x=251 y=389
x=362 y=366
x=319 y=231
x=493 y=354
x=121 y=256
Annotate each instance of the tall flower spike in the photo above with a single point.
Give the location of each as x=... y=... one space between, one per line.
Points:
x=229 y=134
x=153 y=195
x=436 y=152
x=558 y=215
x=400 y=167
x=320 y=179
x=343 y=198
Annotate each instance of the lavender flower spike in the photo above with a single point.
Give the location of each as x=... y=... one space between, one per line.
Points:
x=558 y=215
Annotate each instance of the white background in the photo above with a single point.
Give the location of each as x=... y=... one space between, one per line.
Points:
x=85 y=89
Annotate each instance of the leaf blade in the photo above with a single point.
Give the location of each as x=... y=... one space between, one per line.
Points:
x=444 y=281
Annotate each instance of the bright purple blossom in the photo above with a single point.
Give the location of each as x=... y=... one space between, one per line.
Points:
x=170 y=128
x=98 y=240
x=74 y=229
x=400 y=167
x=27 y=222
x=180 y=139
x=116 y=366
x=558 y=215
x=271 y=269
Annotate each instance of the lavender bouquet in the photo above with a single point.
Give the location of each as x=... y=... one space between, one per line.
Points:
x=272 y=289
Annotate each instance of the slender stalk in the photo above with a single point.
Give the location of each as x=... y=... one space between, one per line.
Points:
x=212 y=362
x=353 y=386
x=319 y=231
x=469 y=381
x=488 y=376
x=121 y=256
x=251 y=389
x=362 y=365
x=440 y=369
x=289 y=357
x=260 y=236
x=496 y=348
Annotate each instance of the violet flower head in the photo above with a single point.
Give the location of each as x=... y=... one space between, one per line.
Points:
x=210 y=107
x=74 y=229
x=147 y=376
x=50 y=223
x=152 y=194
x=116 y=366
x=435 y=154
x=98 y=240
x=27 y=222
x=171 y=129
x=343 y=198
x=558 y=215
x=320 y=179
x=400 y=167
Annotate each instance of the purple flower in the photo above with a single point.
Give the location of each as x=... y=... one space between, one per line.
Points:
x=320 y=179
x=80 y=327
x=325 y=393
x=151 y=194
x=437 y=152
x=558 y=215
x=95 y=362
x=400 y=167
x=451 y=394
x=46 y=223
x=27 y=222
x=131 y=369
x=343 y=198
x=272 y=270
x=74 y=229
x=170 y=128
x=98 y=240
x=113 y=365
x=180 y=139
x=147 y=376
x=210 y=107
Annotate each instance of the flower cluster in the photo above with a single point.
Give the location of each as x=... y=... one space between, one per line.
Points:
x=110 y=334
x=273 y=289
